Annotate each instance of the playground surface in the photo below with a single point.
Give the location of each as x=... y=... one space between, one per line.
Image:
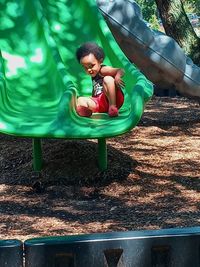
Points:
x=152 y=181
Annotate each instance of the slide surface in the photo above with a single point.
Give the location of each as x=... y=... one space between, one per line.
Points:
x=40 y=77
x=157 y=55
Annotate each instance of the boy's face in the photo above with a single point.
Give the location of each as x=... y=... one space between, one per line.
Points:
x=91 y=65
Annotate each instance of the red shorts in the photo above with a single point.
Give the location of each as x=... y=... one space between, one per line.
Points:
x=102 y=104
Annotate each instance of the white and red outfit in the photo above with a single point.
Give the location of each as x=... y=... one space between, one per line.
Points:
x=100 y=98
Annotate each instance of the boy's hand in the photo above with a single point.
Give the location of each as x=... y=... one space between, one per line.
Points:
x=119 y=82
x=118 y=78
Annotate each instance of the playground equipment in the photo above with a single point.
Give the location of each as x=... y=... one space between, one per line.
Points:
x=169 y=247
x=178 y=247
x=11 y=253
x=40 y=78
x=157 y=55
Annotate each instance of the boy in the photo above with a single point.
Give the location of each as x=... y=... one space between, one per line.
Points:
x=107 y=95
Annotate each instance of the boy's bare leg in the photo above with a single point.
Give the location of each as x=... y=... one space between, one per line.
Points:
x=110 y=91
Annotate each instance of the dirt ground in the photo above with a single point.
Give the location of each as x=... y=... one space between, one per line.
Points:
x=152 y=181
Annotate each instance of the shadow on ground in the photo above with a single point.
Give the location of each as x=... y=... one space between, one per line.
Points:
x=66 y=162
x=152 y=181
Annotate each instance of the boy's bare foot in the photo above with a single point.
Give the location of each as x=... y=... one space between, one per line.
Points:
x=113 y=111
x=83 y=111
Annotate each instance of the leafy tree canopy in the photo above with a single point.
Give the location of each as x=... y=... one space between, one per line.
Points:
x=149 y=8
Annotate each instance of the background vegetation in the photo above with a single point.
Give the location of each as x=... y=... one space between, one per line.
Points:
x=172 y=16
x=150 y=11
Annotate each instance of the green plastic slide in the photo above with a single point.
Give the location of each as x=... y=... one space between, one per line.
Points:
x=40 y=77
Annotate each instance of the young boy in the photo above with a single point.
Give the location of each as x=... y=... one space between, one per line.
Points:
x=107 y=95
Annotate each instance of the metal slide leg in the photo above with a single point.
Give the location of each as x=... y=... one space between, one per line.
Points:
x=37 y=154
x=102 y=154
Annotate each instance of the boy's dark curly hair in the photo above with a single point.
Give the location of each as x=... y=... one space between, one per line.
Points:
x=90 y=48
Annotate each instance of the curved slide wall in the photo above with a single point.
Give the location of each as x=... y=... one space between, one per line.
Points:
x=157 y=55
x=40 y=77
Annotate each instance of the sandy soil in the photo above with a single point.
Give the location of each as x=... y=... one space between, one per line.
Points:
x=152 y=181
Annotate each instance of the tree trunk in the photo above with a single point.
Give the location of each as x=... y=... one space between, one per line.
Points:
x=178 y=26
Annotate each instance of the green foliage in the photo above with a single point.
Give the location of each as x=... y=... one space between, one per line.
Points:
x=148 y=8
x=191 y=6
x=150 y=12
x=154 y=22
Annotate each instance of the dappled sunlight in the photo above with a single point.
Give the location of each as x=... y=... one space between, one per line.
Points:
x=70 y=215
x=43 y=75
x=175 y=113
x=38 y=56
x=14 y=62
x=153 y=172
x=151 y=183
x=3 y=126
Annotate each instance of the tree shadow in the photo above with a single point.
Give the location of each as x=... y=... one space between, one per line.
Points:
x=75 y=162
x=66 y=162
x=136 y=192
x=172 y=112
x=142 y=204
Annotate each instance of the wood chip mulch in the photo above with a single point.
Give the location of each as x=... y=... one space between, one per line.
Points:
x=152 y=181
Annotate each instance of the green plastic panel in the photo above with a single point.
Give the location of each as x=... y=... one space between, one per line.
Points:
x=40 y=77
